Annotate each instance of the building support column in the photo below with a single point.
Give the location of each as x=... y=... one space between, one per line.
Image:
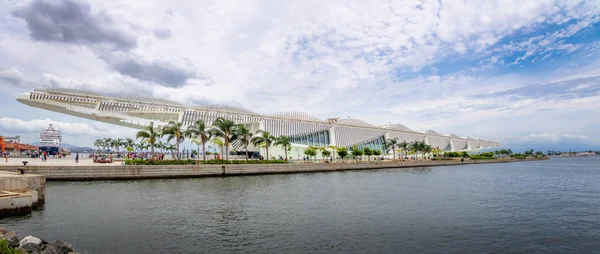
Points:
x=332 y=136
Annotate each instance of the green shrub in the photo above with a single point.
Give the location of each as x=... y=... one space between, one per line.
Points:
x=483 y=156
x=452 y=154
x=159 y=162
x=342 y=152
x=518 y=156
x=243 y=162
x=5 y=249
x=194 y=162
x=477 y=157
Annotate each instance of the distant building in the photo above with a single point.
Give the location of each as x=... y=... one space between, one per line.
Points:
x=14 y=145
x=15 y=139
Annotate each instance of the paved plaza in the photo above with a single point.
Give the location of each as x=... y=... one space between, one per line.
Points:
x=18 y=161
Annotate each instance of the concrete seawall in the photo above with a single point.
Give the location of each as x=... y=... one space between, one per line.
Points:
x=102 y=172
x=14 y=182
x=19 y=194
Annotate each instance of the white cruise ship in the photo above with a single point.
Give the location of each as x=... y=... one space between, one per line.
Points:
x=50 y=140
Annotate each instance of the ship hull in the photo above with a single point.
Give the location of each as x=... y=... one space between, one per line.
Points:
x=50 y=150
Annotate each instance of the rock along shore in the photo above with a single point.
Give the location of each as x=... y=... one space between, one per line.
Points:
x=128 y=172
x=32 y=244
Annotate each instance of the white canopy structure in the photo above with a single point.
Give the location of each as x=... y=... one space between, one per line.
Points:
x=303 y=129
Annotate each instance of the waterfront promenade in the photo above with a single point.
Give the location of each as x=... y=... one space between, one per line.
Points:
x=87 y=170
x=18 y=161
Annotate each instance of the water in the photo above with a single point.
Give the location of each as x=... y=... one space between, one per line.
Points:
x=531 y=207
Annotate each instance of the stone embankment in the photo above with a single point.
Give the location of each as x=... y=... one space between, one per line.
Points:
x=20 y=193
x=103 y=172
x=32 y=244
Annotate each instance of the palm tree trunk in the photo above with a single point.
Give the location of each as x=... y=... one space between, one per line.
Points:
x=246 y=152
x=178 y=150
x=226 y=152
x=204 y=151
x=285 y=147
x=267 y=148
x=394 y=153
x=152 y=150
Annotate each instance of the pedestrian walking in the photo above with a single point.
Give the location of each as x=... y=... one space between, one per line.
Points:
x=76 y=157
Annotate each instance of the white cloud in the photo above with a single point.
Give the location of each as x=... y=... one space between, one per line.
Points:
x=328 y=58
x=12 y=76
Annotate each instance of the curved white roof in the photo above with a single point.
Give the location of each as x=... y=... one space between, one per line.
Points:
x=149 y=99
x=430 y=132
x=296 y=115
x=397 y=127
x=227 y=107
x=67 y=91
x=354 y=122
x=110 y=108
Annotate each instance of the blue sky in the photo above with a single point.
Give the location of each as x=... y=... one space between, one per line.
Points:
x=524 y=74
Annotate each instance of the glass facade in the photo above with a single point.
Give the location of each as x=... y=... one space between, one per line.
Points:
x=374 y=144
x=320 y=138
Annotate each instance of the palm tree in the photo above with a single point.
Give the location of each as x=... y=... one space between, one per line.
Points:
x=244 y=137
x=334 y=148
x=391 y=144
x=200 y=131
x=160 y=145
x=404 y=146
x=197 y=142
x=264 y=138
x=418 y=147
x=98 y=143
x=226 y=129
x=427 y=149
x=170 y=147
x=220 y=143
x=175 y=132
x=285 y=142
x=117 y=143
x=150 y=134
x=107 y=143
x=143 y=145
x=130 y=142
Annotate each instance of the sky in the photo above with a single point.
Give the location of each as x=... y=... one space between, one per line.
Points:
x=522 y=73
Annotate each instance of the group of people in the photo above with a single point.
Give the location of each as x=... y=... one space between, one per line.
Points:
x=145 y=155
x=98 y=158
x=44 y=156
